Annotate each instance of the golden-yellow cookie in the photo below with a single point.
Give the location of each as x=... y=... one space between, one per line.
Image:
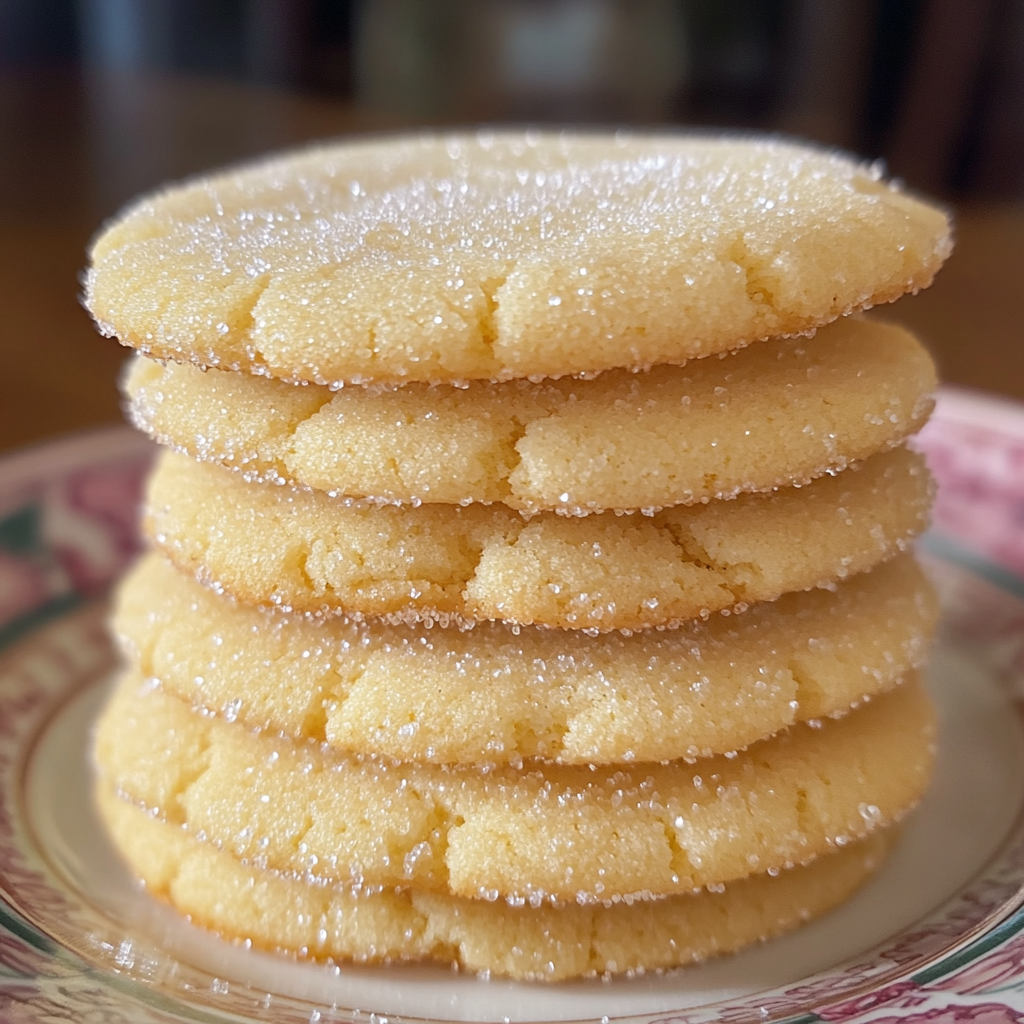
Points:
x=555 y=832
x=777 y=413
x=287 y=913
x=305 y=551
x=491 y=694
x=430 y=258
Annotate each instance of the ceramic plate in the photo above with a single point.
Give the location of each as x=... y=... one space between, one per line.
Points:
x=938 y=935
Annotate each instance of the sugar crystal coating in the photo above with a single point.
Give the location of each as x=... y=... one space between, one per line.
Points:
x=779 y=412
x=302 y=550
x=543 y=832
x=533 y=802
x=494 y=256
x=489 y=694
x=291 y=914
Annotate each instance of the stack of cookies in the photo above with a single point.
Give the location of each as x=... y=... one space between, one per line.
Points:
x=529 y=585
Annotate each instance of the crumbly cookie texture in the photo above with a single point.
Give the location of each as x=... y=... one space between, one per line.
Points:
x=563 y=833
x=777 y=413
x=493 y=695
x=304 y=551
x=492 y=256
x=286 y=913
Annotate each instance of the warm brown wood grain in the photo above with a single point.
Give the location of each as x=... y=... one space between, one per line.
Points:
x=72 y=150
x=972 y=316
x=68 y=159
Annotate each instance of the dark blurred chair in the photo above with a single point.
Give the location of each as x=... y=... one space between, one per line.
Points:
x=558 y=60
x=935 y=86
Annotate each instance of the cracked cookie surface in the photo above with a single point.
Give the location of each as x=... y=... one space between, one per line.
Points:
x=304 y=551
x=777 y=413
x=287 y=913
x=493 y=695
x=542 y=832
x=494 y=256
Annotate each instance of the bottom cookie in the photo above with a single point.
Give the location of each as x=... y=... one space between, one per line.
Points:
x=545 y=943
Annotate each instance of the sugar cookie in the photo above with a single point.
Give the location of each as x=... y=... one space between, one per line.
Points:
x=573 y=833
x=777 y=413
x=494 y=256
x=304 y=551
x=286 y=913
x=491 y=694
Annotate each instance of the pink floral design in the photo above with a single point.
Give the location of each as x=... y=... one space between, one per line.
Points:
x=900 y=994
x=1002 y=967
x=83 y=1004
x=90 y=523
x=976 y=1013
x=980 y=472
x=23 y=586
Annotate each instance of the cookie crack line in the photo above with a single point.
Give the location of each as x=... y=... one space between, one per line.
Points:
x=753 y=284
x=734 y=577
x=488 y=322
x=246 y=319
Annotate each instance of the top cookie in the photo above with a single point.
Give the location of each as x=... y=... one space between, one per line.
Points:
x=494 y=256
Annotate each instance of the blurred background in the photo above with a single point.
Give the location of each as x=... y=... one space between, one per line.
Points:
x=102 y=99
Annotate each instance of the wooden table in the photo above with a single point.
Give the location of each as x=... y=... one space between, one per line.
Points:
x=72 y=150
